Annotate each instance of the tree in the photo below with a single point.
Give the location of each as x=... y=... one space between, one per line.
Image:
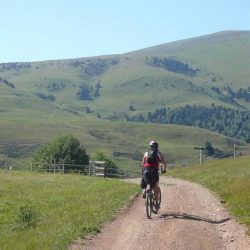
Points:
x=131 y=108
x=98 y=86
x=209 y=150
x=63 y=149
x=85 y=93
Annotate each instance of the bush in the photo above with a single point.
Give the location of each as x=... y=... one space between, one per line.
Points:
x=63 y=149
x=27 y=217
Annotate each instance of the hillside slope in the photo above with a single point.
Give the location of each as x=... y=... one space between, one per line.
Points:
x=221 y=59
x=27 y=124
x=39 y=100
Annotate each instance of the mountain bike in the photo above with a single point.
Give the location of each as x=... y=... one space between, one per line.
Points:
x=152 y=206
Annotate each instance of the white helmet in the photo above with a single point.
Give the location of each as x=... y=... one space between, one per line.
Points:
x=153 y=144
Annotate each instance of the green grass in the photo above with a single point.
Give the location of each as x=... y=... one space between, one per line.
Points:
x=230 y=179
x=46 y=211
x=23 y=130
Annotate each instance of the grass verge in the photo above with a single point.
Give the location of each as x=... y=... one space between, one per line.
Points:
x=46 y=211
x=230 y=179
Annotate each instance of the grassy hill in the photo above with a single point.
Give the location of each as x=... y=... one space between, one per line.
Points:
x=39 y=100
x=229 y=179
x=223 y=54
x=222 y=59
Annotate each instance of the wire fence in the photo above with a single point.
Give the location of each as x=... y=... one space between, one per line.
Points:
x=94 y=168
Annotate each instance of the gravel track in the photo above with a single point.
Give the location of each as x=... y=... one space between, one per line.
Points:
x=191 y=217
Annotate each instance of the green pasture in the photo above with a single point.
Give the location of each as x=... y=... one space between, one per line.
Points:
x=50 y=211
x=23 y=130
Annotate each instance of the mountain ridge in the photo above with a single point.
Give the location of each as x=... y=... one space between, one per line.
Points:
x=209 y=37
x=179 y=41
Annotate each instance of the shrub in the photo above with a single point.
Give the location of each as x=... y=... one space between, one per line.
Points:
x=111 y=168
x=63 y=149
x=27 y=217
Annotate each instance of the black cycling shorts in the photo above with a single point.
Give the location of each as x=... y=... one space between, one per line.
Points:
x=149 y=176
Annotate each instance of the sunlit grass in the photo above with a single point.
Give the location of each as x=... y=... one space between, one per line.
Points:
x=64 y=207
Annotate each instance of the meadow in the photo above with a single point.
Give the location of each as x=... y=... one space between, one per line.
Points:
x=229 y=179
x=23 y=132
x=49 y=211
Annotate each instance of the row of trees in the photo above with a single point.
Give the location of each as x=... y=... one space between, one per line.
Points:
x=242 y=93
x=55 y=86
x=172 y=65
x=94 y=67
x=230 y=122
x=88 y=93
x=8 y=83
x=45 y=97
x=14 y=66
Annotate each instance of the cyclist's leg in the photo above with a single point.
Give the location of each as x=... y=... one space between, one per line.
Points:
x=156 y=186
x=143 y=185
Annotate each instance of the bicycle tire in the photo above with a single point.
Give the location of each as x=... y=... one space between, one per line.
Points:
x=154 y=209
x=149 y=205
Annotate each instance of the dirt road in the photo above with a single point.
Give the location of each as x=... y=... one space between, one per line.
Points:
x=190 y=218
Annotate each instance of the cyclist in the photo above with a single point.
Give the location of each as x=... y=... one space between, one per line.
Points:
x=150 y=167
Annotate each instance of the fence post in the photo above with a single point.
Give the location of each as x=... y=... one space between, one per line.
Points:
x=31 y=167
x=54 y=166
x=90 y=163
x=104 y=174
x=201 y=152
x=235 y=148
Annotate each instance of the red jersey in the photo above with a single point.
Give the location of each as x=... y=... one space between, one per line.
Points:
x=152 y=165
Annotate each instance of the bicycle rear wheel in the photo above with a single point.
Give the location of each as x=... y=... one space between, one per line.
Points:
x=149 y=205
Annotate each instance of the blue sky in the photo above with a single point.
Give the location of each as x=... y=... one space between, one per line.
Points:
x=53 y=29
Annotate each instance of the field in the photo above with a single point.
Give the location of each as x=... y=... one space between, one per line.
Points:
x=46 y=211
x=230 y=179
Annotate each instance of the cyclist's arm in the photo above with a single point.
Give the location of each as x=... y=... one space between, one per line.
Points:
x=143 y=160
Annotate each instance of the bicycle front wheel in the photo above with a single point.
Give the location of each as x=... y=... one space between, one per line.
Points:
x=159 y=201
x=157 y=204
